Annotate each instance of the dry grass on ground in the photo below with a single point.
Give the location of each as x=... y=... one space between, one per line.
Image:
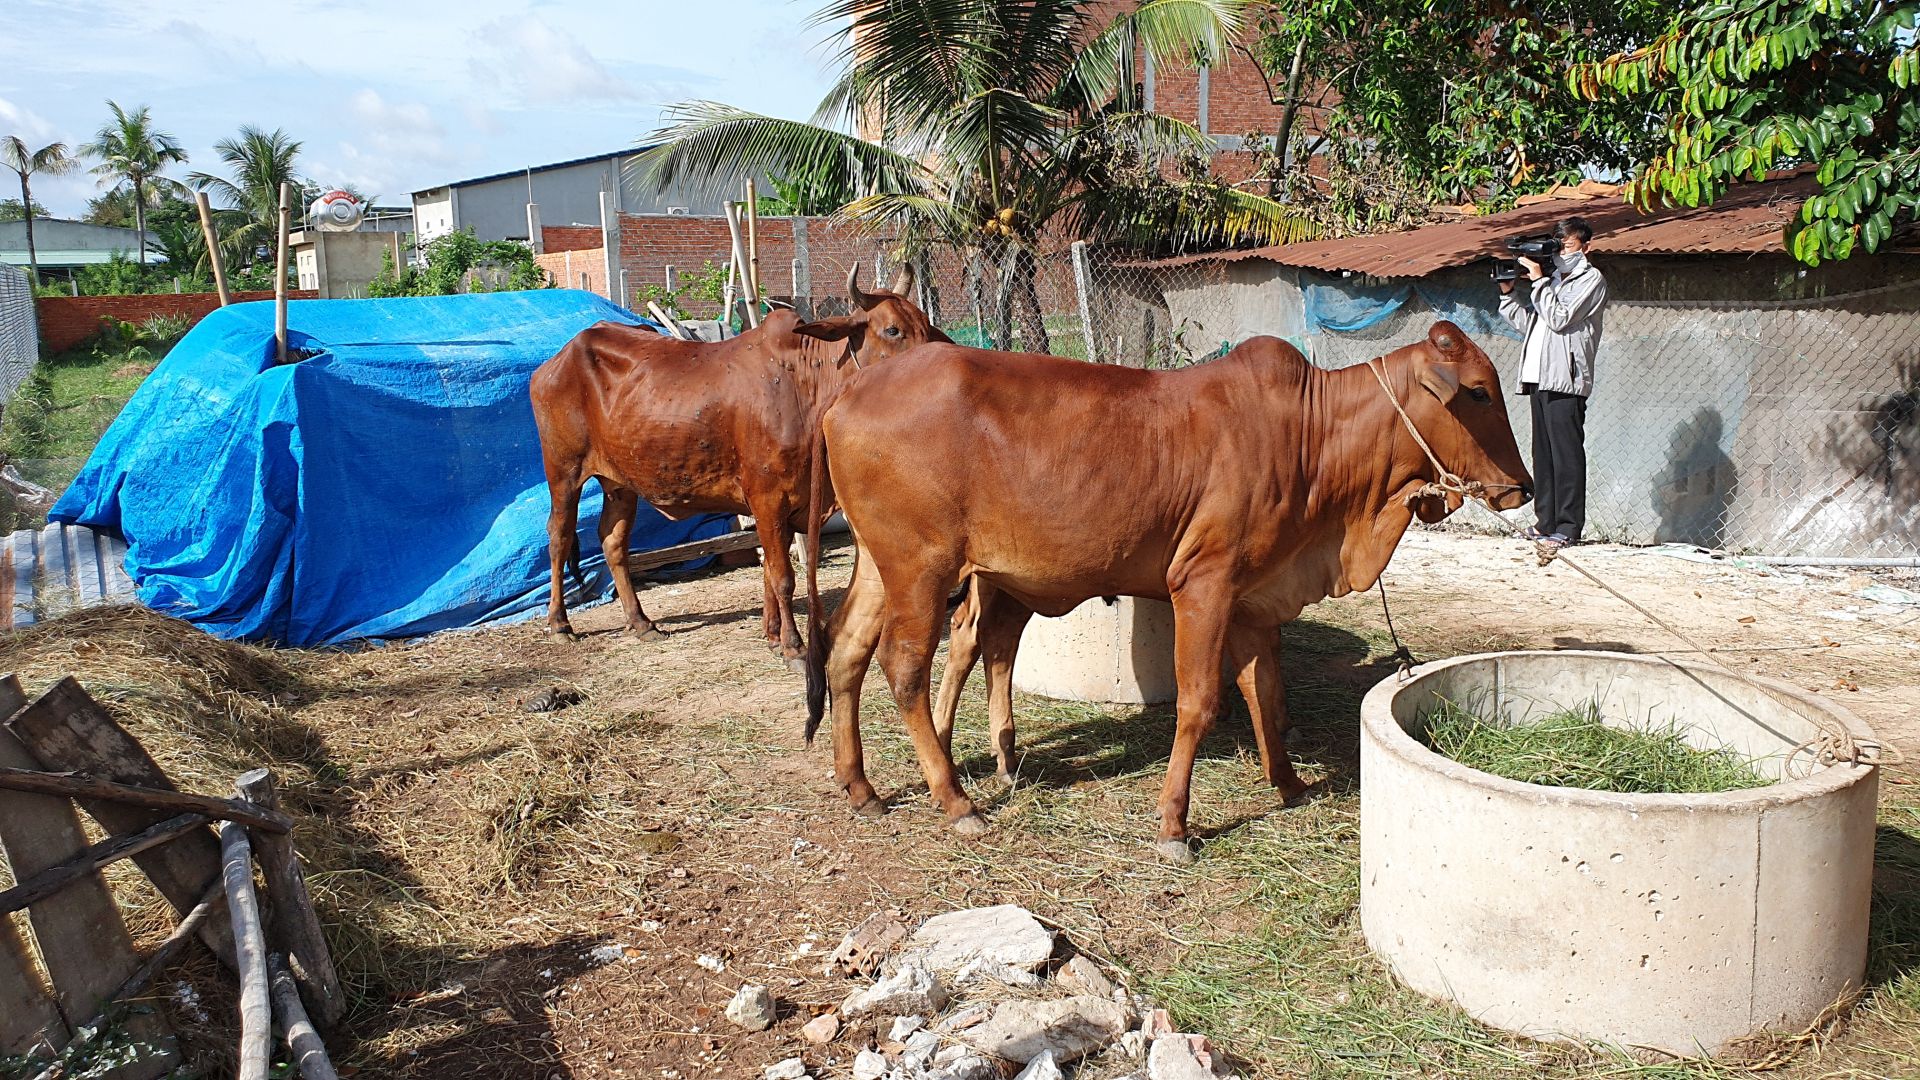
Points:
x=526 y=895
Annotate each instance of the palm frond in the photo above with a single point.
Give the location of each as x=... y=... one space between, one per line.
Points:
x=1171 y=33
x=710 y=148
x=922 y=217
x=909 y=63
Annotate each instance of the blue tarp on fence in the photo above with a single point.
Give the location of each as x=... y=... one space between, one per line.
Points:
x=388 y=486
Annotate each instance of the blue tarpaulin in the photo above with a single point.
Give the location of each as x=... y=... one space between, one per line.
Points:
x=387 y=486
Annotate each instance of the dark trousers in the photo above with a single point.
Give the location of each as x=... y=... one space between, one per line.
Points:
x=1560 y=462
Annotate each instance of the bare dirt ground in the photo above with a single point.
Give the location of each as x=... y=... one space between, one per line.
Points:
x=577 y=893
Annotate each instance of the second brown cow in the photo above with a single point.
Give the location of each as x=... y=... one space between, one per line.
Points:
x=1242 y=490
x=694 y=427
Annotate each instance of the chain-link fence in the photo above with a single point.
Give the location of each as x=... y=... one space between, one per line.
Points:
x=19 y=330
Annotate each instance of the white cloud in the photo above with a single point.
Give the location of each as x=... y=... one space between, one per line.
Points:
x=24 y=122
x=543 y=65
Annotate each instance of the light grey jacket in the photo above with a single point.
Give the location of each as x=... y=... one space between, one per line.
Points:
x=1569 y=304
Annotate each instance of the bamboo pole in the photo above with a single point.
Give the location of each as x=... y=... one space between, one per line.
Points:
x=673 y=326
x=212 y=237
x=740 y=263
x=280 y=276
x=82 y=786
x=294 y=924
x=303 y=1042
x=249 y=952
x=753 y=245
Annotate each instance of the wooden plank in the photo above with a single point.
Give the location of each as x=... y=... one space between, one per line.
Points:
x=66 y=729
x=292 y=924
x=92 y=788
x=79 y=934
x=29 y=1022
x=667 y=556
x=34 y=889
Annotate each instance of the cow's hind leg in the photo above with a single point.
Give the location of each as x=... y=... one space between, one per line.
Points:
x=963 y=651
x=1253 y=654
x=618 y=508
x=909 y=633
x=852 y=632
x=1199 y=640
x=1001 y=621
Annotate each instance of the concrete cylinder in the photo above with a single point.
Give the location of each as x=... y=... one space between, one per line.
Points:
x=1120 y=652
x=1672 y=921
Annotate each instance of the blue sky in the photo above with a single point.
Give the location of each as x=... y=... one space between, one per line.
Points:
x=394 y=97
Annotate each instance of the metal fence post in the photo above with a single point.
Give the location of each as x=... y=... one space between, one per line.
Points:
x=1083 y=284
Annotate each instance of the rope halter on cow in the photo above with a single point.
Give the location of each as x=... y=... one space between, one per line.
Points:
x=1835 y=745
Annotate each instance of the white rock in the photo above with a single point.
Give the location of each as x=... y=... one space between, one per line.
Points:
x=1133 y=1044
x=965 y=1018
x=905 y=1026
x=1083 y=976
x=970 y=1067
x=1004 y=934
x=1180 y=1057
x=921 y=1046
x=909 y=990
x=869 y=1065
x=1072 y=1028
x=711 y=963
x=751 y=1007
x=821 y=1029
x=984 y=970
x=791 y=1069
x=1043 y=1067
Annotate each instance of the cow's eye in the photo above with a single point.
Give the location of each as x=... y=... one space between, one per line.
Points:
x=891 y=331
x=1479 y=394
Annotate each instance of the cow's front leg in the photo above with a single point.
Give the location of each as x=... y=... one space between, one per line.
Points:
x=1200 y=613
x=776 y=537
x=1253 y=655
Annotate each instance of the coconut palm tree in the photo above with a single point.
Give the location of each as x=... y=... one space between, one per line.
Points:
x=133 y=153
x=992 y=124
x=51 y=159
x=258 y=162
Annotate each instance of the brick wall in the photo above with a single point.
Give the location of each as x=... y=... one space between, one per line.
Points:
x=66 y=321
x=555 y=238
x=566 y=267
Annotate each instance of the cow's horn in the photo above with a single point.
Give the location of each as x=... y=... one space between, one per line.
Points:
x=861 y=300
x=902 y=282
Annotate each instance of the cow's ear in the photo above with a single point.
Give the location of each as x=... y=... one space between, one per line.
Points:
x=1440 y=378
x=826 y=329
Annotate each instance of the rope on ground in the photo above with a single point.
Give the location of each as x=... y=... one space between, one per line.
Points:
x=1833 y=746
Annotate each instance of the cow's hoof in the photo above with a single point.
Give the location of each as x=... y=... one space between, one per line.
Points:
x=563 y=633
x=1006 y=779
x=1296 y=795
x=648 y=632
x=795 y=664
x=870 y=808
x=1176 y=852
x=970 y=825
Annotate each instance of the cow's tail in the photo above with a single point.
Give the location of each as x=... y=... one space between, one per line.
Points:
x=816 y=618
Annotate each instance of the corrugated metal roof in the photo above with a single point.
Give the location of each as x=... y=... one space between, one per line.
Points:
x=1746 y=221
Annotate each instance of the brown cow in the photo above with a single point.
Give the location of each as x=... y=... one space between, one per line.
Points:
x=695 y=427
x=1242 y=490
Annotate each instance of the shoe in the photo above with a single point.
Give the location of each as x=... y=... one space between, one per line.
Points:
x=1531 y=533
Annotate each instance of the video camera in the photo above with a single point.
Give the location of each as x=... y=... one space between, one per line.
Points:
x=1541 y=249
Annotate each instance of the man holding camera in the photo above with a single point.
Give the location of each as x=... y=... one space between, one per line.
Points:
x=1560 y=315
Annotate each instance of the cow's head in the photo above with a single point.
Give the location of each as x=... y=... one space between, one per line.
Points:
x=1456 y=404
x=882 y=324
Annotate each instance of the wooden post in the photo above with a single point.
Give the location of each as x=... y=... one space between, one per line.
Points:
x=753 y=245
x=280 y=276
x=212 y=238
x=249 y=952
x=740 y=264
x=673 y=326
x=1083 y=286
x=67 y=729
x=38 y=887
x=309 y=1053
x=82 y=786
x=399 y=258
x=292 y=922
